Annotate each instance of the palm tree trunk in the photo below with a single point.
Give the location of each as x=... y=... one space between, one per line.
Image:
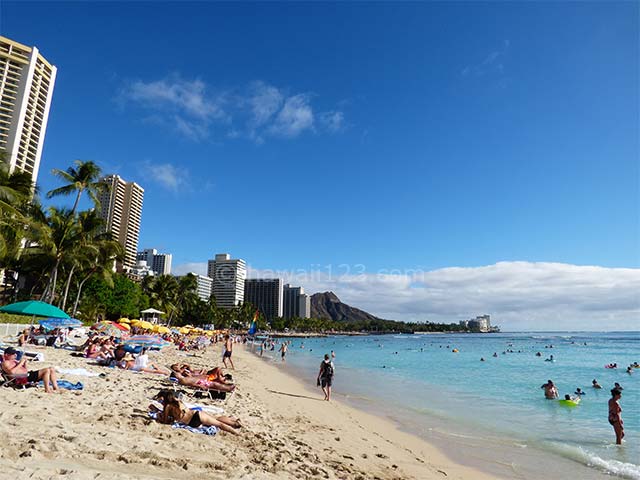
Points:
x=75 y=304
x=75 y=205
x=66 y=288
x=49 y=291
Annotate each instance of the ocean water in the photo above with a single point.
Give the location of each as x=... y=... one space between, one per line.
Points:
x=493 y=414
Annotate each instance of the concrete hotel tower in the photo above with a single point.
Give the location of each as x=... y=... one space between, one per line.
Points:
x=26 y=89
x=121 y=209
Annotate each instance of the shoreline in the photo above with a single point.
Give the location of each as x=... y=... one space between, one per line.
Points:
x=489 y=452
x=103 y=431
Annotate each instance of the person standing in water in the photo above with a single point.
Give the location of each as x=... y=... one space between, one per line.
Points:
x=325 y=376
x=228 y=349
x=283 y=350
x=615 y=419
x=550 y=390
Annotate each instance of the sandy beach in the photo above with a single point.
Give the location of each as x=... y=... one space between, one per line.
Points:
x=104 y=432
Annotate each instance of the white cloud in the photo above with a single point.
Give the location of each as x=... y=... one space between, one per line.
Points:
x=265 y=101
x=295 y=116
x=168 y=176
x=332 y=121
x=189 y=97
x=258 y=111
x=517 y=295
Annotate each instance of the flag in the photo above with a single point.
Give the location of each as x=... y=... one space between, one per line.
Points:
x=253 y=327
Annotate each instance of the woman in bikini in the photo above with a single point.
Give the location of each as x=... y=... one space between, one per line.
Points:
x=175 y=411
x=208 y=382
x=615 y=419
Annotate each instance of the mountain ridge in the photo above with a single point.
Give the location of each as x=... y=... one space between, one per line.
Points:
x=327 y=305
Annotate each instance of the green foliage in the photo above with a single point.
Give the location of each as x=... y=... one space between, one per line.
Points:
x=10 y=318
x=124 y=299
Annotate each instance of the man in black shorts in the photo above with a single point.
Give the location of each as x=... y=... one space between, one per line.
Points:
x=325 y=376
x=228 y=349
x=17 y=370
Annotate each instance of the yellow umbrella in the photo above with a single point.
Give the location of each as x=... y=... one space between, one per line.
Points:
x=184 y=330
x=124 y=320
x=125 y=326
x=163 y=329
x=145 y=325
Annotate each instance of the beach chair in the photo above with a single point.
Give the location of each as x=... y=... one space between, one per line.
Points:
x=195 y=391
x=17 y=382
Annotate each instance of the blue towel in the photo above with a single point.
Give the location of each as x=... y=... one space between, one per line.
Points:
x=66 y=385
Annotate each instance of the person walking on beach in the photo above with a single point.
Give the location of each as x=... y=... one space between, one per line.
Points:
x=283 y=350
x=325 y=376
x=615 y=419
x=228 y=350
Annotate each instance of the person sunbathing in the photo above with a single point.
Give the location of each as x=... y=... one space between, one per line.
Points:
x=202 y=381
x=176 y=411
x=142 y=364
x=17 y=369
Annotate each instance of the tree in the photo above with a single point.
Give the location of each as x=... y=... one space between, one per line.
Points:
x=16 y=190
x=61 y=236
x=123 y=299
x=85 y=176
x=100 y=265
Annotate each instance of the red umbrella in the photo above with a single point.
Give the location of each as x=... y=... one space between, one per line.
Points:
x=117 y=325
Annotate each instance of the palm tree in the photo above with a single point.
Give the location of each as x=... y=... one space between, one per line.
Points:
x=84 y=176
x=16 y=189
x=163 y=292
x=58 y=240
x=106 y=253
x=87 y=249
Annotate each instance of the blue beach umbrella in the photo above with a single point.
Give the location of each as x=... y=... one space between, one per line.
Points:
x=146 y=341
x=53 y=323
x=34 y=308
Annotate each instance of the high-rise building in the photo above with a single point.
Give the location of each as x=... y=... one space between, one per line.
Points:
x=296 y=304
x=160 y=263
x=266 y=295
x=121 y=210
x=204 y=286
x=228 y=279
x=26 y=89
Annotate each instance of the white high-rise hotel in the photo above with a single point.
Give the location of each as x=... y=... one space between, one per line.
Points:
x=228 y=279
x=121 y=210
x=26 y=89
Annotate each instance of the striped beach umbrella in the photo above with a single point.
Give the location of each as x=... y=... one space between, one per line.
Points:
x=151 y=341
x=107 y=328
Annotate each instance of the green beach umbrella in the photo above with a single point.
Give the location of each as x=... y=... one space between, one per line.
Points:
x=34 y=308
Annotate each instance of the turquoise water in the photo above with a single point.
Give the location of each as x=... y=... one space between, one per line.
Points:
x=498 y=402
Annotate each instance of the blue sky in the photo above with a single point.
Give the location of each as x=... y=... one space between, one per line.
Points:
x=368 y=137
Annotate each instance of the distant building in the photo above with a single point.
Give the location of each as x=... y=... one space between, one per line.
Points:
x=228 y=279
x=296 y=304
x=121 y=210
x=266 y=295
x=26 y=90
x=480 y=324
x=141 y=270
x=204 y=288
x=160 y=263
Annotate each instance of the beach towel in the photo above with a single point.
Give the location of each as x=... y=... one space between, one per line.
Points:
x=82 y=372
x=211 y=430
x=211 y=409
x=204 y=430
x=66 y=385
